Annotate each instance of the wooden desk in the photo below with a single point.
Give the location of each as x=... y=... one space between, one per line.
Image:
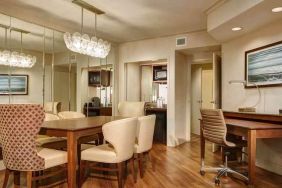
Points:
x=74 y=129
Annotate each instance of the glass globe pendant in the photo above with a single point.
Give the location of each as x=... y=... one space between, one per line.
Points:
x=83 y=44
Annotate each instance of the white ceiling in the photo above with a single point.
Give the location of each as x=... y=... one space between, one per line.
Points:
x=125 y=20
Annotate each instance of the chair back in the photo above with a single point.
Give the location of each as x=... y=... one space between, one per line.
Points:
x=145 y=133
x=51 y=117
x=213 y=126
x=19 y=125
x=70 y=115
x=121 y=135
x=131 y=109
x=53 y=108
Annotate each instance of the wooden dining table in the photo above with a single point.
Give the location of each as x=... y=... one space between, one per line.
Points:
x=73 y=130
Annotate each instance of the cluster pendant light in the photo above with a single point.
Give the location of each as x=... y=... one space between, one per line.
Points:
x=16 y=59
x=83 y=44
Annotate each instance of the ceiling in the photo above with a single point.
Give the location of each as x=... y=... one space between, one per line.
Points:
x=125 y=20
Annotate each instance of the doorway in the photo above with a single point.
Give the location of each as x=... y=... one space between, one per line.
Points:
x=201 y=92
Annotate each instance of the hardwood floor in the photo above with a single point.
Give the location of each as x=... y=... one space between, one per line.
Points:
x=179 y=168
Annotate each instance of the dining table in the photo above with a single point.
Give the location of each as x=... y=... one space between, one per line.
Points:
x=73 y=130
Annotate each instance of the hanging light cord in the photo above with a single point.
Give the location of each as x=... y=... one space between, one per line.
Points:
x=81 y=29
x=21 y=42
x=95 y=28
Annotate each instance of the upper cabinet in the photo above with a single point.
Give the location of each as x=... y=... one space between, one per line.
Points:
x=160 y=73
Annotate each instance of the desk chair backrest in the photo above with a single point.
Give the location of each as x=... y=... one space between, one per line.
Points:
x=213 y=126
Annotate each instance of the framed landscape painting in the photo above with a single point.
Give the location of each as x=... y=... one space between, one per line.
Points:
x=264 y=66
x=18 y=84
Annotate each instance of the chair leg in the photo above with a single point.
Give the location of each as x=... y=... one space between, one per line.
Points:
x=29 y=179
x=17 y=179
x=140 y=163
x=6 y=179
x=81 y=173
x=133 y=169
x=120 y=174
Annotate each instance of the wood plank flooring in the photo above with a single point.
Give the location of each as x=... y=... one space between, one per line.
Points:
x=179 y=168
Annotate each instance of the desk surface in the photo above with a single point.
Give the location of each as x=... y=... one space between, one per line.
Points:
x=79 y=123
x=251 y=124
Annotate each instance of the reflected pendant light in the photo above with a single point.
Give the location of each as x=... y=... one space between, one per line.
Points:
x=83 y=44
x=16 y=59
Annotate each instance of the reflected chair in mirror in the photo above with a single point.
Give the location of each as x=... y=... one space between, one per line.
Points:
x=144 y=142
x=51 y=142
x=52 y=108
x=131 y=109
x=120 y=135
x=214 y=130
x=19 y=126
x=70 y=115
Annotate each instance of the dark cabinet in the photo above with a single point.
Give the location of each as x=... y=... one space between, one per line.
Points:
x=160 y=134
x=99 y=78
x=98 y=111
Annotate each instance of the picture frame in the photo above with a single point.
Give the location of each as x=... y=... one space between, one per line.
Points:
x=263 y=66
x=18 y=84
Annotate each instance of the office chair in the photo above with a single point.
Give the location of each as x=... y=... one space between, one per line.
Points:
x=214 y=129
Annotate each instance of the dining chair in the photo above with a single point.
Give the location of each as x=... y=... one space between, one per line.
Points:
x=48 y=141
x=19 y=126
x=52 y=107
x=70 y=115
x=120 y=135
x=131 y=109
x=144 y=142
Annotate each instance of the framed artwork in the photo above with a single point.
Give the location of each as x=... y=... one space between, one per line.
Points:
x=263 y=66
x=18 y=84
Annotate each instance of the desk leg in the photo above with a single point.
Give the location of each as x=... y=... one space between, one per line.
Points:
x=202 y=147
x=72 y=159
x=252 y=144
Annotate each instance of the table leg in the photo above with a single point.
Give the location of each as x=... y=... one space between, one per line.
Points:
x=252 y=155
x=72 y=159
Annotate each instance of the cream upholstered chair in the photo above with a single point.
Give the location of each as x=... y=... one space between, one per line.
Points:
x=121 y=136
x=70 y=115
x=131 y=109
x=144 y=142
x=50 y=142
x=52 y=107
x=51 y=117
x=19 y=125
x=213 y=129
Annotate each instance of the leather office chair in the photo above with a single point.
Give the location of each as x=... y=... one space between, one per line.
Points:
x=214 y=129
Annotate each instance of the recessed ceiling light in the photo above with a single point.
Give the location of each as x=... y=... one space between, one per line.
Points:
x=237 y=28
x=277 y=9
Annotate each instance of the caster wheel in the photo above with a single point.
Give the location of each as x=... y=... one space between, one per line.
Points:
x=202 y=172
x=217 y=182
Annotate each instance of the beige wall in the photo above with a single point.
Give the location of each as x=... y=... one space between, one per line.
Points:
x=154 y=49
x=269 y=151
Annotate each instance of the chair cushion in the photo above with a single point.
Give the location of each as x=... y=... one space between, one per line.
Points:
x=102 y=153
x=2 y=166
x=53 y=157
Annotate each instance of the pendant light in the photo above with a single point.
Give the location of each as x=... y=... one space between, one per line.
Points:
x=14 y=58
x=82 y=43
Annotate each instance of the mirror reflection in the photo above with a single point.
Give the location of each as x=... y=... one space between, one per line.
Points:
x=57 y=78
